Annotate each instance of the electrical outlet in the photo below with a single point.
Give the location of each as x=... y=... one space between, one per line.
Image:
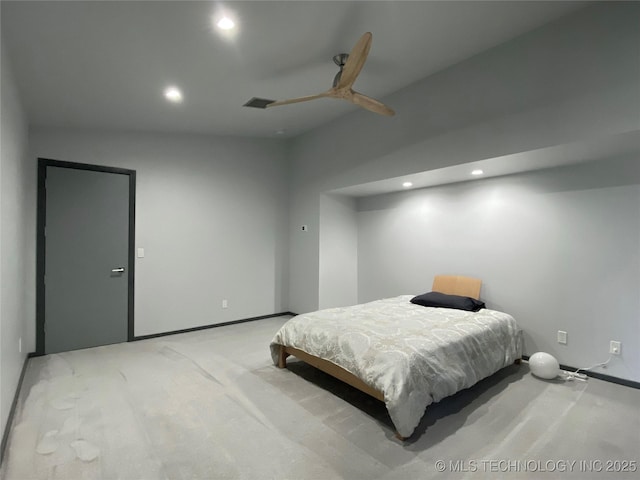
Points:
x=615 y=348
x=562 y=337
x=225 y=303
x=305 y=228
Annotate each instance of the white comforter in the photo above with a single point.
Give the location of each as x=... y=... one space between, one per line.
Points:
x=415 y=355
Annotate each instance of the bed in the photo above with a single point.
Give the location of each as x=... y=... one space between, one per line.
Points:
x=403 y=354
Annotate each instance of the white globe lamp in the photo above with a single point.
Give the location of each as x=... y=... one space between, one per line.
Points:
x=543 y=365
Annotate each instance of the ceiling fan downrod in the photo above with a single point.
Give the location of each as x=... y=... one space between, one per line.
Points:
x=340 y=60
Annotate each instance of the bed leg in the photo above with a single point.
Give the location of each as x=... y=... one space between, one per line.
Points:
x=400 y=437
x=518 y=361
x=282 y=357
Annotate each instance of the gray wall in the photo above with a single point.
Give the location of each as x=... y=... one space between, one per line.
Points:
x=211 y=214
x=17 y=224
x=559 y=249
x=338 y=282
x=573 y=80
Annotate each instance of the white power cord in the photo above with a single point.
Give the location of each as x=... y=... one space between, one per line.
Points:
x=570 y=376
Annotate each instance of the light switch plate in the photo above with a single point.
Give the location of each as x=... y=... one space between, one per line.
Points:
x=140 y=252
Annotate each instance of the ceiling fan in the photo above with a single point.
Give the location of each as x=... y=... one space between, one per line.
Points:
x=350 y=66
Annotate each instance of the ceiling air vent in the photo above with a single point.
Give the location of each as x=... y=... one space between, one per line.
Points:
x=256 y=102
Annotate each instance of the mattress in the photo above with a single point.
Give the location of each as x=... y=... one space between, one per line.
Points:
x=415 y=355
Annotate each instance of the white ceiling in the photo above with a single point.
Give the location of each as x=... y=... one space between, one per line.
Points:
x=105 y=64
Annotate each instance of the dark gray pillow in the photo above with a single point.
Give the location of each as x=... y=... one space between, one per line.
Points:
x=442 y=300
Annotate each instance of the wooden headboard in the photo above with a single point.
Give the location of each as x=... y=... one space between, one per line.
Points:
x=457 y=285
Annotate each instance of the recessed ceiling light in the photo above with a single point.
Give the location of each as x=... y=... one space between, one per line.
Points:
x=477 y=172
x=173 y=94
x=225 y=23
x=407 y=184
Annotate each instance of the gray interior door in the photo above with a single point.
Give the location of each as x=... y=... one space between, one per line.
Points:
x=86 y=258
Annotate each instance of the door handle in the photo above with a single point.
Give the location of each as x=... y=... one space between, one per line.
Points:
x=117 y=270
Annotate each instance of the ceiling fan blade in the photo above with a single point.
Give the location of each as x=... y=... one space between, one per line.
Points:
x=370 y=104
x=355 y=62
x=277 y=103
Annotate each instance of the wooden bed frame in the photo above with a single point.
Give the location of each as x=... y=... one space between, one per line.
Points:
x=449 y=284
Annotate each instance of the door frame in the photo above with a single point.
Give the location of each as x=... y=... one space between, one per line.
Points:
x=43 y=163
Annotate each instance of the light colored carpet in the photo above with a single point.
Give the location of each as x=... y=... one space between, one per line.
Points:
x=210 y=405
